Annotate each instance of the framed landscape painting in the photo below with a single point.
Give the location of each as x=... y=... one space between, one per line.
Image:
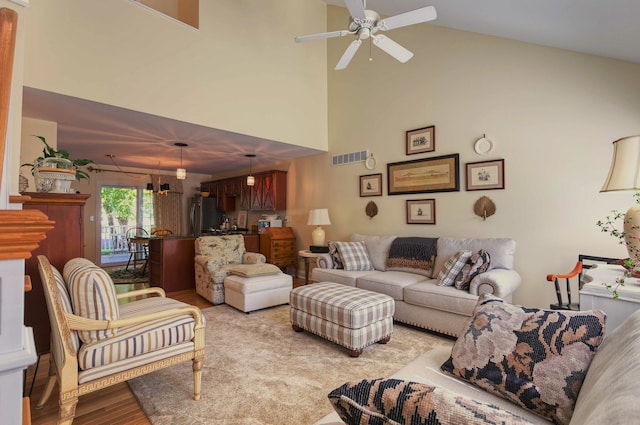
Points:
x=437 y=174
x=421 y=211
x=421 y=140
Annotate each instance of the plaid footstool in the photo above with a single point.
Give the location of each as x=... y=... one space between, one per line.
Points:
x=350 y=317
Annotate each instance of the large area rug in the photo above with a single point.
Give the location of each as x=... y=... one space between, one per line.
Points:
x=259 y=371
x=120 y=275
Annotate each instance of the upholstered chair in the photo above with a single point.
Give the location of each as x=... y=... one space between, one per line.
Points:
x=96 y=342
x=214 y=256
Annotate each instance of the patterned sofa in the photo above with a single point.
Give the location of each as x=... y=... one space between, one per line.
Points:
x=214 y=257
x=411 y=278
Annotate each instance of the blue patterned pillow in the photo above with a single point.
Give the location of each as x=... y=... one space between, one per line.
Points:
x=452 y=268
x=477 y=263
x=393 y=401
x=335 y=255
x=535 y=358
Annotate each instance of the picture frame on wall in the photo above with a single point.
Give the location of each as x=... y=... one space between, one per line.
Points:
x=428 y=175
x=421 y=140
x=421 y=211
x=485 y=175
x=371 y=185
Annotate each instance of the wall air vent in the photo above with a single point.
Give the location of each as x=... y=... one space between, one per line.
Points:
x=349 y=158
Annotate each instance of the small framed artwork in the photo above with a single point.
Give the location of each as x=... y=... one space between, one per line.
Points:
x=421 y=211
x=242 y=219
x=371 y=185
x=421 y=140
x=485 y=175
x=437 y=174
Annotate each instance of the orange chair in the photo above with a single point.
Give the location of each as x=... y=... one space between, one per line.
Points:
x=575 y=273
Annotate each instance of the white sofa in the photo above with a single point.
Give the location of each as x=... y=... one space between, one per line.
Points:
x=608 y=393
x=419 y=301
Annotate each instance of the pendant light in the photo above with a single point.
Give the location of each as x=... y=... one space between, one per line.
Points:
x=181 y=173
x=250 y=179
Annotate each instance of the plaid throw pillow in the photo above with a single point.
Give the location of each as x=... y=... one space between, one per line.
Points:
x=453 y=266
x=354 y=256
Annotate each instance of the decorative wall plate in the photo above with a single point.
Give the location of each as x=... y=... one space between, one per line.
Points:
x=483 y=146
x=370 y=162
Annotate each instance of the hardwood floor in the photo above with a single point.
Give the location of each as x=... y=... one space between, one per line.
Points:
x=115 y=405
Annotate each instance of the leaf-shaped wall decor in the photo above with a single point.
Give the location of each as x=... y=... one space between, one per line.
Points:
x=371 y=209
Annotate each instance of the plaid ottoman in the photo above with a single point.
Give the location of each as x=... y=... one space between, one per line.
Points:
x=350 y=317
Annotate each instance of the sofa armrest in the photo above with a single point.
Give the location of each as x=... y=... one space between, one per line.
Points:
x=253 y=258
x=324 y=261
x=499 y=282
x=202 y=260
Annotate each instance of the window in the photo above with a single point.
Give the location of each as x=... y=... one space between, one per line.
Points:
x=122 y=208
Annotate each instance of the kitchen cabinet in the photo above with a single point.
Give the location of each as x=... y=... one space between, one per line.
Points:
x=268 y=194
x=64 y=242
x=278 y=244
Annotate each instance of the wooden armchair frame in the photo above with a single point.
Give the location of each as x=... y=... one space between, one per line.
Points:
x=63 y=367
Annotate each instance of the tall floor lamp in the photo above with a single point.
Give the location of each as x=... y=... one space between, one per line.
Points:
x=318 y=218
x=625 y=175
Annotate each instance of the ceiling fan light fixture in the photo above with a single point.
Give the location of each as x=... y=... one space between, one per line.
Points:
x=181 y=173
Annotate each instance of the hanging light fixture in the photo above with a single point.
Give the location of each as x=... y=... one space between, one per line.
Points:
x=250 y=179
x=181 y=173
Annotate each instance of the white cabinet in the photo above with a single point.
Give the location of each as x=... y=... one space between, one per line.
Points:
x=594 y=294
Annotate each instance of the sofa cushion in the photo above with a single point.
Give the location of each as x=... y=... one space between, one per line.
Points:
x=536 y=358
x=453 y=267
x=390 y=283
x=65 y=301
x=404 y=402
x=354 y=256
x=444 y=298
x=501 y=250
x=413 y=255
x=478 y=262
x=339 y=275
x=93 y=296
x=377 y=247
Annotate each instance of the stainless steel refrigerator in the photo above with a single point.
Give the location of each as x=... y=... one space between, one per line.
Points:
x=203 y=215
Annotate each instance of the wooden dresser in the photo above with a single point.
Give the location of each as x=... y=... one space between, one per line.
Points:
x=278 y=244
x=64 y=242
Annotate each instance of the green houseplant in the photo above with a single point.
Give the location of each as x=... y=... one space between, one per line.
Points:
x=50 y=152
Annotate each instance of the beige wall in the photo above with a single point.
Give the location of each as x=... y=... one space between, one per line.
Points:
x=551 y=113
x=240 y=72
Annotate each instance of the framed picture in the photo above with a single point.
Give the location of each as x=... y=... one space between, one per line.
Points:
x=421 y=211
x=242 y=219
x=421 y=140
x=438 y=174
x=371 y=185
x=485 y=175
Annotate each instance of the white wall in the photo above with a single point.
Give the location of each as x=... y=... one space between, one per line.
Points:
x=240 y=72
x=551 y=113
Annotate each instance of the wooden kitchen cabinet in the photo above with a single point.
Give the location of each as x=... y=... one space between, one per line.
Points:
x=278 y=244
x=268 y=194
x=64 y=242
x=171 y=264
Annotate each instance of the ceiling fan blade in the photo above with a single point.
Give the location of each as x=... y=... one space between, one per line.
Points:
x=356 y=9
x=321 y=36
x=348 y=54
x=408 y=18
x=392 y=48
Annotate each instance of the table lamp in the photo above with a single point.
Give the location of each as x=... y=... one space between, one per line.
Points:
x=625 y=175
x=319 y=217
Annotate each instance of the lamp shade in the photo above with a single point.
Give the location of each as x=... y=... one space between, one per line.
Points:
x=181 y=173
x=319 y=217
x=625 y=165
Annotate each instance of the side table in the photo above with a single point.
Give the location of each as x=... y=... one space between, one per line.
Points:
x=595 y=295
x=307 y=256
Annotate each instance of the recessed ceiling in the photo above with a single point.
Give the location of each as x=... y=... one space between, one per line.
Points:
x=93 y=130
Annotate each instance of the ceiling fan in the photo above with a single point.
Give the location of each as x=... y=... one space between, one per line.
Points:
x=365 y=23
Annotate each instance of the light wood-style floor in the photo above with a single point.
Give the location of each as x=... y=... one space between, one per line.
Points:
x=115 y=405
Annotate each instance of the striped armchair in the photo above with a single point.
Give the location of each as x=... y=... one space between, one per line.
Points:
x=95 y=342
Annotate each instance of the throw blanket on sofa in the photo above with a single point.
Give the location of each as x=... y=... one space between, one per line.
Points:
x=412 y=254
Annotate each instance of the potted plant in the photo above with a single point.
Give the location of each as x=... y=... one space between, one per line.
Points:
x=624 y=237
x=58 y=159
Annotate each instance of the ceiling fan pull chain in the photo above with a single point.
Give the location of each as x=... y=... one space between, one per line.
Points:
x=370 y=43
